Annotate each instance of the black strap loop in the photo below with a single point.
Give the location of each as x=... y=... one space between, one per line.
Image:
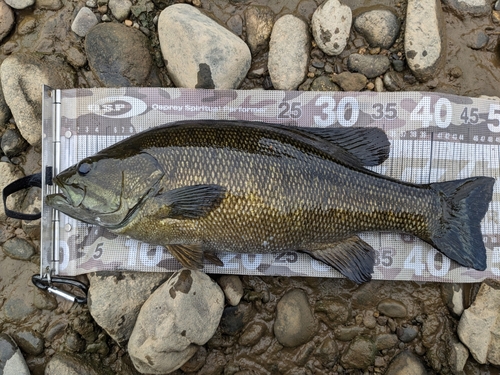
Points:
x=34 y=180
x=47 y=284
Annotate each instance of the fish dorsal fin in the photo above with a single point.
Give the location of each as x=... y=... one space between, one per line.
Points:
x=352 y=257
x=369 y=145
x=190 y=256
x=189 y=202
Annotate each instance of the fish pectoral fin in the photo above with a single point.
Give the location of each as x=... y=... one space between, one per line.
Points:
x=352 y=257
x=213 y=258
x=190 y=256
x=190 y=202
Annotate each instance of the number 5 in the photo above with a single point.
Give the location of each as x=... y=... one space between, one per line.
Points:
x=494 y=114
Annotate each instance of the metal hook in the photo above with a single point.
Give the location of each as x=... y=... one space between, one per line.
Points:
x=46 y=283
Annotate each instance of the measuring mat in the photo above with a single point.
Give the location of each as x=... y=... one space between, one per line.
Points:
x=434 y=137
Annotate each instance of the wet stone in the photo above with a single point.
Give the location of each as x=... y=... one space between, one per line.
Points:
x=406 y=363
x=288 y=53
x=49 y=4
x=252 y=334
x=6 y=20
x=232 y=287
x=11 y=359
x=369 y=320
x=196 y=362
x=295 y=324
x=27 y=25
x=350 y=81
x=406 y=334
x=75 y=57
x=328 y=351
x=20 y=4
x=392 y=308
x=232 y=320
x=17 y=309
x=18 y=248
x=12 y=143
x=259 y=24
x=120 y=8
x=331 y=24
x=478 y=40
x=323 y=83
x=386 y=341
x=370 y=66
x=379 y=27
x=393 y=81
x=348 y=333
x=84 y=21
x=398 y=65
x=74 y=342
x=359 y=354
x=30 y=342
x=64 y=364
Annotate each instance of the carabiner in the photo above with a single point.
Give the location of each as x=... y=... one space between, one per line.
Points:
x=47 y=282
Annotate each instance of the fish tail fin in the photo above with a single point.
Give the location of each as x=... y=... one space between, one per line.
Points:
x=465 y=203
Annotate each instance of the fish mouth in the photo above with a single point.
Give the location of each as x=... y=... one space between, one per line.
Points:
x=68 y=194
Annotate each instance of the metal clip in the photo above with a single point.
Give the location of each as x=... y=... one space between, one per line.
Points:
x=47 y=282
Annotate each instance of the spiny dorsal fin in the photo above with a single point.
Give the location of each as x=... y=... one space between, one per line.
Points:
x=352 y=257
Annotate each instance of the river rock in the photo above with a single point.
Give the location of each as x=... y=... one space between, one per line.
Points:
x=350 y=81
x=288 y=52
x=120 y=8
x=252 y=334
x=331 y=24
x=370 y=66
x=469 y=7
x=5 y=113
x=323 y=83
x=423 y=44
x=8 y=174
x=393 y=81
x=22 y=77
x=295 y=324
x=458 y=355
x=406 y=334
x=380 y=27
x=386 y=341
x=217 y=58
x=11 y=360
x=232 y=287
x=181 y=314
x=49 y=4
x=453 y=296
x=20 y=4
x=478 y=328
x=63 y=364
x=19 y=248
x=392 y=308
x=84 y=21
x=359 y=354
x=29 y=341
x=259 y=24
x=406 y=363
x=12 y=143
x=119 y=56
x=6 y=20
x=115 y=299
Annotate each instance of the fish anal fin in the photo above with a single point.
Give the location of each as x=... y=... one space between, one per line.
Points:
x=213 y=258
x=190 y=256
x=189 y=202
x=352 y=257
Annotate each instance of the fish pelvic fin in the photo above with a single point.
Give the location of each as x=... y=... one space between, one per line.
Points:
x=465 y=203
x=352 y=257
x=190 y=256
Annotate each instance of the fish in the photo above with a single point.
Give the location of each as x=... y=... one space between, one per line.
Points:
x=202 y=187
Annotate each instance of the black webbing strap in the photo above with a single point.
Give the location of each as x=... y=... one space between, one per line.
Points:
x=34 y=180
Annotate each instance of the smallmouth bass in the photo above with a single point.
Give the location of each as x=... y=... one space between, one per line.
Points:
x=206 y=186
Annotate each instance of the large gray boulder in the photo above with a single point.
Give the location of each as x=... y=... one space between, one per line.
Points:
x=199 y=52
x=181 y=314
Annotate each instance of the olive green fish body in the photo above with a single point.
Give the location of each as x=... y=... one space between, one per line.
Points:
x=208 y=186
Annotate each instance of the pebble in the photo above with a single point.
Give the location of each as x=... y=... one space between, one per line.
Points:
x=12 y=143
x=331 y=25
x=29 y=341
x=181 y=314
x=392 y=308
x=232 y=287
x=20 y=4
x=11 y=360
x=323 y=83
x=252 y=334
x=469 y=7
x=196 y=362
x=21 y=77
x=478 y=328
x=49 y=4
x=64 y=364
x=259 y=24
x=379 y=84
x=18 y=248
x=115 y=298
x=234 y=318
x=348 y=333
x=27 y=25
x=380 y=27
x=6 y=20
x=119 y=56
x=295 y=324
x=458 y=355
x=369 y=321
x=235 y=24
x=350 y=81
x=398 y=65
x=406 y=363
x=386 y=341
x=120 y=8
x=393 y=81
x=328 y=351
x=478 y=40
x=76 y=58
x=84 y=21
x=17 y=310
x=218 y=59
x=359 y=354
x=406 y=334
x=453 y=296
x=288 y=52
x=370 y=66
x=423 y=44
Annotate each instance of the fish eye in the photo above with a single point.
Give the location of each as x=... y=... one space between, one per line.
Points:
x=84 y=168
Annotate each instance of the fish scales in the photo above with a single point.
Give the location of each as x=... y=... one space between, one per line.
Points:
x=206 y=186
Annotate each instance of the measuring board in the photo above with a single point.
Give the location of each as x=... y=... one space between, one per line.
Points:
x=434 y=137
